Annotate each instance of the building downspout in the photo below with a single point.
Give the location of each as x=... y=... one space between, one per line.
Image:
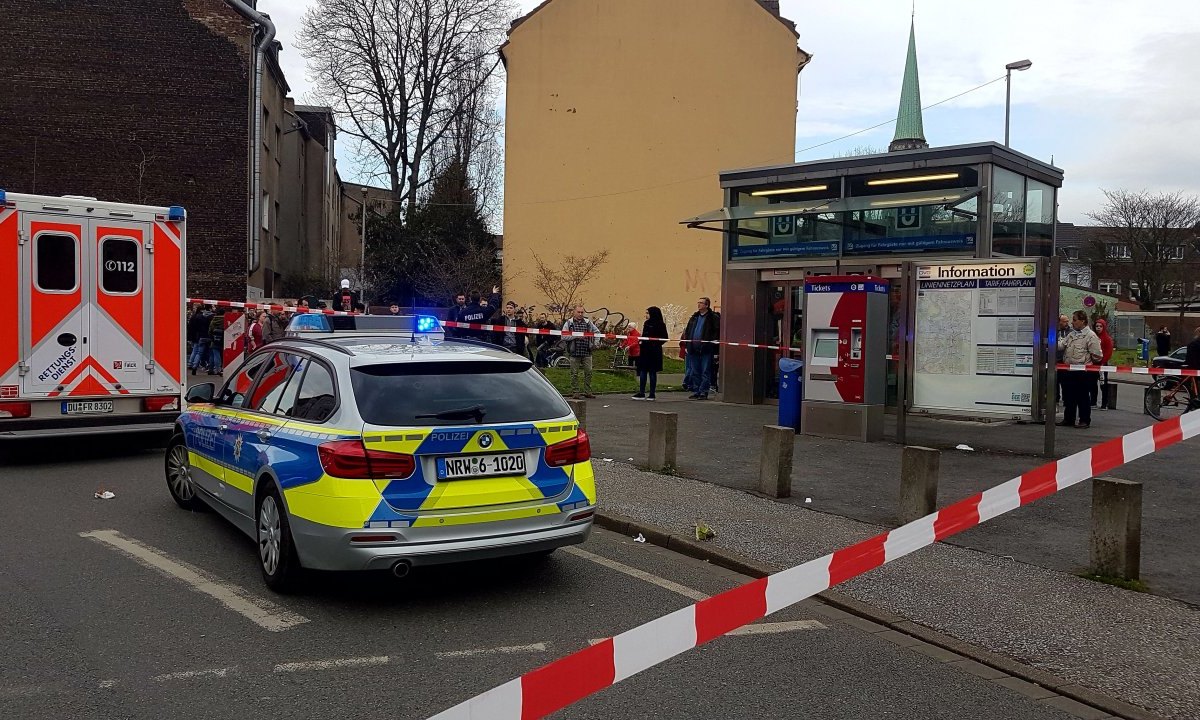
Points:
x=267 y=30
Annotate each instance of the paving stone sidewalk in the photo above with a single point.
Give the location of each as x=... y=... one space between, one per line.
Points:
x=1140 y=648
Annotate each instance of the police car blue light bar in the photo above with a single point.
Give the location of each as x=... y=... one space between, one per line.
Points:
x=427 y=323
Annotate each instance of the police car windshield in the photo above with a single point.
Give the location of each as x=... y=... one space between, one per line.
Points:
x=408 y=394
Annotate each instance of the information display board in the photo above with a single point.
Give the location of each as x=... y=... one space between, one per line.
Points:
x=974 y=338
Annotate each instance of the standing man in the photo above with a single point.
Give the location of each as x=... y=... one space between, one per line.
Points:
x=394 y=309
x=1192 y=360
x=1081 y=346
x=514 y=340
x=455 y=315
x=477 y=312
x=197 y=330
x=579 y=350
x=702 y=327
x=216 y=343
x=1162 y=339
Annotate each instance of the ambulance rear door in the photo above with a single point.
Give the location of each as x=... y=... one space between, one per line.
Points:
x=120 y=323
x=54 y=317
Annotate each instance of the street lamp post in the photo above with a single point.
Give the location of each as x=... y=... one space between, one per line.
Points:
x=1018 y=65
x=362 y=258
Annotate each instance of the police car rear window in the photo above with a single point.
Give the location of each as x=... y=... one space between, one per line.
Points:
x=397 y=394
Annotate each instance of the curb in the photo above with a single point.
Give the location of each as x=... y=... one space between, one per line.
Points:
x=752 y=568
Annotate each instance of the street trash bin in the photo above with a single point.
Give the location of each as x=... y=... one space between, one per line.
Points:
x=1144 y=349
x=791 y=392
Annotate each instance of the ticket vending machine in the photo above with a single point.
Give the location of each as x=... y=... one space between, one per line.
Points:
x=845 y=363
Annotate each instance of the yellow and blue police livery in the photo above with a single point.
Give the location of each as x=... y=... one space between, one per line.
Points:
x=364 y=452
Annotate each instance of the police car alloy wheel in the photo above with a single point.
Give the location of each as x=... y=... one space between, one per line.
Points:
x=179 y=476
x=276 y=554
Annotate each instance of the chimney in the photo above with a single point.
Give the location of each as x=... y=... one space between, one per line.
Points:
x=772 y=6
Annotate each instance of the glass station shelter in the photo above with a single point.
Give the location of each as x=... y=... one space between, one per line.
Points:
x=864 y=215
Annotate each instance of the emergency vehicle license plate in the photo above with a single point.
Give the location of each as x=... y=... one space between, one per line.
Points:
x=87 y=407
x=474 y=466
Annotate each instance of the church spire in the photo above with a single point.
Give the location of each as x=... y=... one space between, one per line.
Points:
x=910 y=131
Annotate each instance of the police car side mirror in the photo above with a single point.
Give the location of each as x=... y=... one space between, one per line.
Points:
x=202 y=393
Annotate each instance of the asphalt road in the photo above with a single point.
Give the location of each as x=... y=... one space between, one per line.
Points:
x=92 y=630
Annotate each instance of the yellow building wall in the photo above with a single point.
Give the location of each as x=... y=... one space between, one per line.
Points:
x=619 y=116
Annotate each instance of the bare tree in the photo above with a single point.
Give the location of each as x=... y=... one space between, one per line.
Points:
x=1145 y=237
x=560 y=285
x=403 y=73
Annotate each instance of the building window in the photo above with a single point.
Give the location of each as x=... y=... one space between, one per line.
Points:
x=266 y=123
x=1073 y=278
x=1039 y=219
x=1176 y=252
x=1118 y=251
x=1109 y=287
x=1071 y=253
x=266 y=211
x=1008 y=212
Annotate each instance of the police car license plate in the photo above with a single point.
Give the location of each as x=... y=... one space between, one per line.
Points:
x=474 y=466
x=87 y=407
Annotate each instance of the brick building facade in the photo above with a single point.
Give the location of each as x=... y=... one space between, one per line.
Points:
x=135 y=101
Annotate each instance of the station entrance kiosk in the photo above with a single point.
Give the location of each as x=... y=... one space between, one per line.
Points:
x=845 y=363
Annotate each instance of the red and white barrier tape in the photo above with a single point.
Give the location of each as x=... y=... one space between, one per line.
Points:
x=269 y=306
x=563 y=682
x=607 y=336
x=1131 y=369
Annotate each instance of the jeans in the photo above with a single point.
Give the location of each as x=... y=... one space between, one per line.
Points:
x=642 y=375
x=199 y=352
x=1076 y=398
x=215 y=365
x=586 y=363
x=699 y=369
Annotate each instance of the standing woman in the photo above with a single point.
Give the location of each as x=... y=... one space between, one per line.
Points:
x=256 y=331
x=650 y=359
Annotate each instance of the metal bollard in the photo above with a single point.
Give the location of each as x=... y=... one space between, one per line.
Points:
x=1116 y=528
x=775 y=464
x=919 y=469
x=579 y=407
x=664 y=434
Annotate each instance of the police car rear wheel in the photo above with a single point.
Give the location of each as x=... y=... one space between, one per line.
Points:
x=276 y=554
x=179 y=476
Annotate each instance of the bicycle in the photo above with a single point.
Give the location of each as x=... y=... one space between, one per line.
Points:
x=1169 y=397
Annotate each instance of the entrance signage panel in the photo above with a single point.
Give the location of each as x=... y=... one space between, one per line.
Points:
x=974 y=340
x=918 y=243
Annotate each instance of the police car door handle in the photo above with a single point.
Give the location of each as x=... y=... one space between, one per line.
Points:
x=264 y=435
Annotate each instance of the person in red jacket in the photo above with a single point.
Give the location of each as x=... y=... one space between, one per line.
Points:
x=1106 y=352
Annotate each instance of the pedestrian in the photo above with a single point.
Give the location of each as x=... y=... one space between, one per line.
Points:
x=1192 y=360
x=477 y=312
x=649 y=361
x=1064 y=327
x=216 y=343
x=631 y=344
x=201 y=340
x=512 y=340
x=1081 y=346
x=394 y=309
x=455 y=315
x=1106 y=351
x=1162 y=339
x=703 y=328
x=275 y=326
x=579 y=351
x=256 y=331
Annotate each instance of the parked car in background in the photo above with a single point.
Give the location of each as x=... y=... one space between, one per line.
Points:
x=1174 y=360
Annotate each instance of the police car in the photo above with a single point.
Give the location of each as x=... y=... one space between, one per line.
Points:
x=370 y=452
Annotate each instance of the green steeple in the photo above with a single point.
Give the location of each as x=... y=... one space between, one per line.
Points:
x=910 y=131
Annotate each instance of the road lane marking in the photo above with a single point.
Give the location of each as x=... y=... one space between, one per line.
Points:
x=674 y=587
x=261 y=611
x=107 y=683
x=304 y=666
x=193 y=674
x=773 y=628
x=508 y=650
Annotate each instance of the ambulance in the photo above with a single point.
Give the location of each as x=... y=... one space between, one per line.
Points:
x=91 y=316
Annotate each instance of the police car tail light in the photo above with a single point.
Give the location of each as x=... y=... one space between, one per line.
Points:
x=15 y=409
x=160 y=403
x=349 y=459
x=568 y=452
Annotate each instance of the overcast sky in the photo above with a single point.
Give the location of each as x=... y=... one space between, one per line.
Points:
x=1112 y=95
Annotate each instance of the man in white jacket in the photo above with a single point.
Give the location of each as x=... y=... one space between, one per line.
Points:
x=1081 y=346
